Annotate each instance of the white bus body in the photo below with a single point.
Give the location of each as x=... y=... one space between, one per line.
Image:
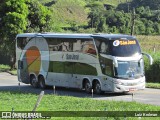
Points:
x=102 y=62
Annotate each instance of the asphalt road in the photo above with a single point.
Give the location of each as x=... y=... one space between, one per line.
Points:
x=148 y=96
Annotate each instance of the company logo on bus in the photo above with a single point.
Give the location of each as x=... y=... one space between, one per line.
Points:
x=124 y=42
x=116 y=43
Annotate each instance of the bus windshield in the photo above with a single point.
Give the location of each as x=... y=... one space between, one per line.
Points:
x=129 y=69
x=119 y=47
x=125 y=48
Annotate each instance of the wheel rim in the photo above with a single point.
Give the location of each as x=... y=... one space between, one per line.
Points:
x=98 y=88
x=41 y=83
x=34 y=82
x=87 y=87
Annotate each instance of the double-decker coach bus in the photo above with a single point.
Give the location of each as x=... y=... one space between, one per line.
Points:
x=102 y=62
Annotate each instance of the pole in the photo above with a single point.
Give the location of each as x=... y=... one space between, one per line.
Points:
x=38 y=101
x=19 y=84
x=54 y=89
x=133 y=21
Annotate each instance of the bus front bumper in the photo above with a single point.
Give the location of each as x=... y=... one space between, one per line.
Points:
x=129 y=86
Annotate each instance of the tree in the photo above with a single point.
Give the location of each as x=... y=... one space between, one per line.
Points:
x=140 y=27
x=149 y=27
x=13 y=21
x=119 y=20
x=39 y=17
x=96 y=15
x=153 y=4
x=19 y=16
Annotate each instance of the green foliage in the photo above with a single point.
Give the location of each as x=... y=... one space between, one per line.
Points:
x=26 y=102
x=105 y=15
x=13 y=72
x=152 y=72
x=71 y=13
x=118 y=21
x=13 y=21
x=4 y=67
x=96 y=16
x=13 y=17
x=39 y=17
x=19 y=16
x=151 y=45
x=153 y=4
x=153 y=85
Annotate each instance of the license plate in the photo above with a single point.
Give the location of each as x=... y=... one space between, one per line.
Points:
x=132 y=89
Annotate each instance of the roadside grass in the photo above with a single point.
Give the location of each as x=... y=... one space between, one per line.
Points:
x=13 y=72
x=26 y=102
x=7 y=68
x=4 y=68
x=153 y=85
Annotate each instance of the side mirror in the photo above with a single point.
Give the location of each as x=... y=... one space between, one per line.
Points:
x=149 y=57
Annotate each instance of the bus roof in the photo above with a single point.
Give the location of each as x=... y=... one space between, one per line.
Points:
x=79 y=35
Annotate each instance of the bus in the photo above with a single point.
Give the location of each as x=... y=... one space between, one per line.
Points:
x=98 y=62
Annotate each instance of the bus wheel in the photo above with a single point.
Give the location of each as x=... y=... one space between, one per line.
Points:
x=87 y=87
x=33 y=81
x=42 y=82
x=97 y=88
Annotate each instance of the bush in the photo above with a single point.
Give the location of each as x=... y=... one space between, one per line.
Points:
x=152 y=72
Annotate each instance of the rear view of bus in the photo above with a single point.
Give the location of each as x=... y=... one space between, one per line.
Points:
x=122 y=62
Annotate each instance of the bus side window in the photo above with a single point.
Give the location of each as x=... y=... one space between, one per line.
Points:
x=66 y=46
x=88 y=47
x=54 y=44
x=97 y=42
x=77 y=45
x=106 y=66
x=108 y=71
x=102 y=46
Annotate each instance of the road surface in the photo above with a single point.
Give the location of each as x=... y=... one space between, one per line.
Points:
x=148 y=96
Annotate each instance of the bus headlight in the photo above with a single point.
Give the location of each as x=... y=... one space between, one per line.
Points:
x=118 y=82
x=141 y=81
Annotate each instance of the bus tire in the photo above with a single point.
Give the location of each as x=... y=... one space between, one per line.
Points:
x=33 y=81
x=41 y=82
x=97 y=88
x=87 y=87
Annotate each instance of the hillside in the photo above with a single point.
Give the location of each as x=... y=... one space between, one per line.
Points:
x=68 y=13
x=73 y=12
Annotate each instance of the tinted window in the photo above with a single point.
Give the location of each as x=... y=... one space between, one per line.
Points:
x=72 y=45
x=68 y=67
x=54 y=44
x=124 y=48
x=102 y=46
x=57 y=67
x=121 y=48
x=106 y=66
x=72 y=68
x=84 y=69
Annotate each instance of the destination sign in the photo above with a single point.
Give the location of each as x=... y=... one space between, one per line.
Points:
x=128 y=42
x=124 y=42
